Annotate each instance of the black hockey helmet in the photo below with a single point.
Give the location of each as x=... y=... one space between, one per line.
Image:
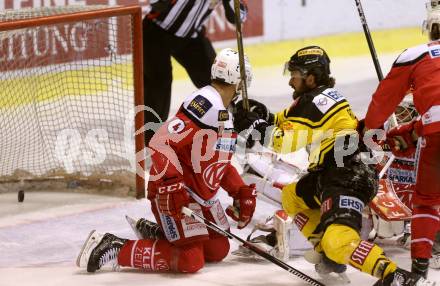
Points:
x=309 y=57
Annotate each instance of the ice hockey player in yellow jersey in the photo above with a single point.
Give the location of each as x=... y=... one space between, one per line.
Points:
x=327 y=203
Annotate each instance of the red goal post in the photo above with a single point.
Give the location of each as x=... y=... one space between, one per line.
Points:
x=71 y=92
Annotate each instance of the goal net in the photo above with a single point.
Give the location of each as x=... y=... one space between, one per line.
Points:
x=70 y=79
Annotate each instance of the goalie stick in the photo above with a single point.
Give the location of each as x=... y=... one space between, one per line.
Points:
x=253 y=248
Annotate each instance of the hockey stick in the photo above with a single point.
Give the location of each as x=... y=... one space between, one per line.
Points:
x=241 y=55
x=392 y=120
x=253 y=248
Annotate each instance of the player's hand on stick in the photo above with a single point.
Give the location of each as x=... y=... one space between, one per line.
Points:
x=255 y=106
x=251 y=126
x=171 y=197
x=402 y=139
x=243 y=207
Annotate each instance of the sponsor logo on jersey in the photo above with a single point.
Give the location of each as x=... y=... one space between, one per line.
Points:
x=361 y=252
x=225 y=144
x=199 y=106
x=326 y=205
x=401 y=176
x=434 y=52
x=223 y=115
x=213 y=174
x=352 y=203
x=176 y=125
x=333 y=94
x=170 y=227
x=301 y=220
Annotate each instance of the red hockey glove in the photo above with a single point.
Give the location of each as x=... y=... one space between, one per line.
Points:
x=171 y=197
x=244 y=205
x=402 y=139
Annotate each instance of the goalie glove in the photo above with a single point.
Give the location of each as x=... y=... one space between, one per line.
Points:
x=171 y=197
x=402 y=139
x=243 y=207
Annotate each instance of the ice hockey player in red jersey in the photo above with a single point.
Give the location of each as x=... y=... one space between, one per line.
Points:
x=190 y=161
x=417 y=68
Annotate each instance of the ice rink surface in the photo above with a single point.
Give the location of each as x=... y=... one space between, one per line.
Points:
x=41 y=237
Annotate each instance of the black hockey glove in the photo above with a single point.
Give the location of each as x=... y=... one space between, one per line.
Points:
x=259 y=108
x=251 y=127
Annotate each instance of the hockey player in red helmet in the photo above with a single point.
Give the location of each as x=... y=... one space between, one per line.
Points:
x=417 y=68
x=191 y=156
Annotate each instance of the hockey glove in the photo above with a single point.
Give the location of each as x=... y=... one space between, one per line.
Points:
x=259 y=108
x=243 y=207
x=249 y=125
x=171 y=197
x=402 y=139
x=228 y=5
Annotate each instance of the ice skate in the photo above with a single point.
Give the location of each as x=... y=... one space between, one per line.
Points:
x=99 y=250
x=434 y=262
x=404 y=278
x=329 y=270
x=145 y=229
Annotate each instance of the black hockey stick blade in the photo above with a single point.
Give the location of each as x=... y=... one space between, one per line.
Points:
x=252 y=247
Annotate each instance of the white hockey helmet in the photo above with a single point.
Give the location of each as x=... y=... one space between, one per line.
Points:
x=406 y=111
x=432 y=19
x=226 y=67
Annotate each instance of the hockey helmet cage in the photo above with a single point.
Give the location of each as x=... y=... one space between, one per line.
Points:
x=406 y=111
x=433 y=17
x=307 y=58
x=226 y=67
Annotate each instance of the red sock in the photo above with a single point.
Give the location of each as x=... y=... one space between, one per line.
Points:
x=160 y=255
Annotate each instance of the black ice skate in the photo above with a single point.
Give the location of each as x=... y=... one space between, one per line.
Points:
x=145 y=229
x=402 y=277
x=99 y=250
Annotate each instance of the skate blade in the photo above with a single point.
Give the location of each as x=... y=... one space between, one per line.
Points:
x=335 y=278
x=81 y=260
x=132 y=222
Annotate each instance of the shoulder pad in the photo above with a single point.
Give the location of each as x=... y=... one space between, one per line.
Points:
x=412 y=54
x=326 y=99
x=206 y=108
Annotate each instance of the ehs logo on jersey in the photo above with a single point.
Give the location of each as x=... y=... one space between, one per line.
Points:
x=434 y=51
x=225 y=144
x=213 y=174
x=333 y=94
x=352 y=203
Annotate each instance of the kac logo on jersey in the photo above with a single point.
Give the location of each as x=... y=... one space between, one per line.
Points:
x=214 y=174
x=353 y=203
